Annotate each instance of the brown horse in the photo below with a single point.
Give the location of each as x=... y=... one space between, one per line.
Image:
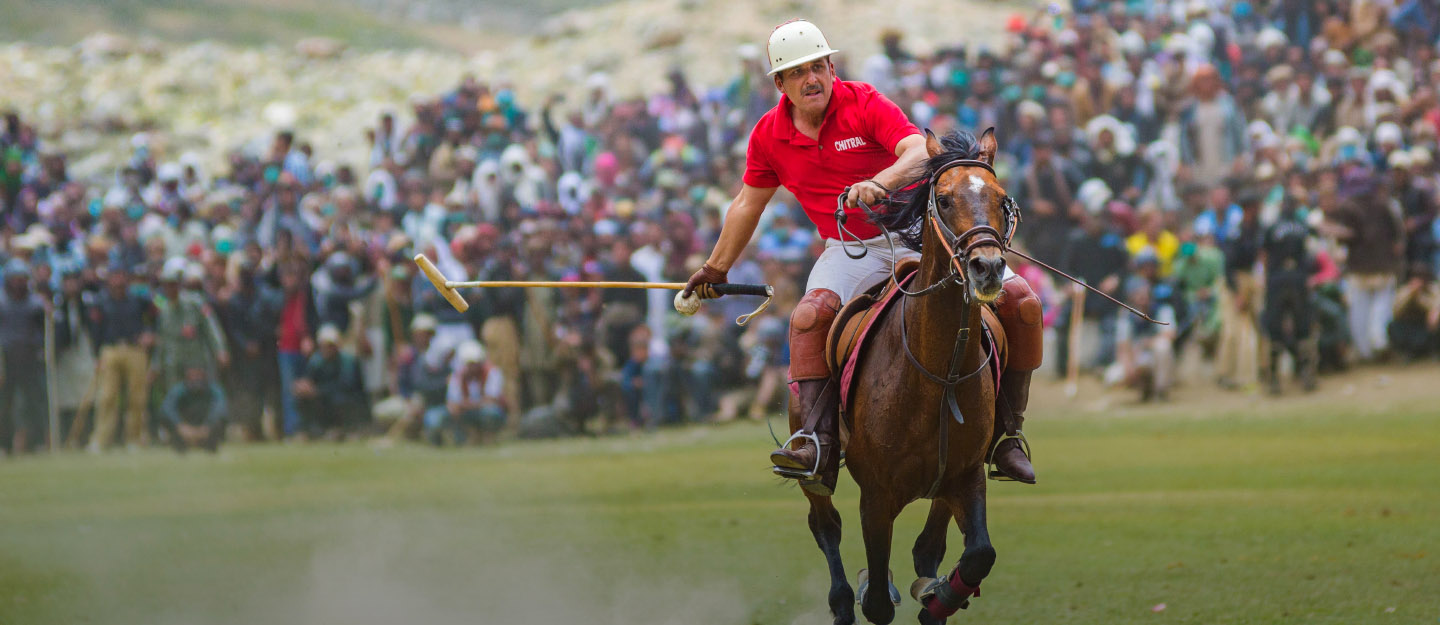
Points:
x=924 y=369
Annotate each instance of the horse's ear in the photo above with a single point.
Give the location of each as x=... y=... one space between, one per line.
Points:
x=932 y=144
x=988 y=146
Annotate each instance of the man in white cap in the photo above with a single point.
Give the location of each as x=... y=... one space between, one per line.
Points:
x=331 y=394
x=825 y=137
x=475 y=397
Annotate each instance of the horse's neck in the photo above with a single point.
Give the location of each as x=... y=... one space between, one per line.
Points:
x=934 y=321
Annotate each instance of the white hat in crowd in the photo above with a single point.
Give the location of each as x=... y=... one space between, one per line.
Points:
x=470 y=352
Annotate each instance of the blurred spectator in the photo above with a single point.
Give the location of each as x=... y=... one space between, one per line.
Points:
x=1237 y=361
x=330 y=393
x=1146 y=351
x=123 y=325
x=193 y=411
x=22 y=362
x=1415 y=330
x=1288 y=319
x=474 y=399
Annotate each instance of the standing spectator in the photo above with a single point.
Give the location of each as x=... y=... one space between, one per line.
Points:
x=193 y=411
x=1237 y=363
x=124 y=329
x=75 y=351
x=293 y=339
x=1288 y=321
x=1370 y=228
x=254 y=313
x=1213 y=142
x=1047 y=188
x=475 y=398
x=22 y=366
x=1096 y=254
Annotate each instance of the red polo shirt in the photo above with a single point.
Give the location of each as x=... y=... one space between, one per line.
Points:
x=857 y=141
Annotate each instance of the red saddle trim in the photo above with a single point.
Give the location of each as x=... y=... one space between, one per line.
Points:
x=847 y=374
x=851 y=360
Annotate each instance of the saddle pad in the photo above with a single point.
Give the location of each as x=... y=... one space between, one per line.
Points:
x=847 y=338
x=852 y=336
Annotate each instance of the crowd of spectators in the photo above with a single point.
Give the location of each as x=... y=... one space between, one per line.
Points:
x=1260 y=174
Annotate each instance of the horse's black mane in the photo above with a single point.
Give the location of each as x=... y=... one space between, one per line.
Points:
x=906 y=211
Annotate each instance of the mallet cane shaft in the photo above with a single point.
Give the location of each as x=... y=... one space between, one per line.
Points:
x=447 y=287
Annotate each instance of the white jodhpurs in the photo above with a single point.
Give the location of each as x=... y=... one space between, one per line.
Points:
x=848 y=277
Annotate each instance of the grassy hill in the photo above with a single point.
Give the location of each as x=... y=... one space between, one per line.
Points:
x=446 y=24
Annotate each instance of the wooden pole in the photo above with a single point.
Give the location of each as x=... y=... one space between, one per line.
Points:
x=52 y=411
x=1077 y=319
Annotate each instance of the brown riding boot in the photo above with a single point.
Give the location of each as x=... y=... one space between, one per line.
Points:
x=1010 y=457
x=815 y=467
x=822 y=397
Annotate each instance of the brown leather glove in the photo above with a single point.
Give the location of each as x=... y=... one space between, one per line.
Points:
x=702 y=279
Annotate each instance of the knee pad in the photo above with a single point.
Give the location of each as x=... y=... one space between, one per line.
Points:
x=1020 y=313
x=809 y=328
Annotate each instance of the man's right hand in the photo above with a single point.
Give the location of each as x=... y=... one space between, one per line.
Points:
x=706 y=275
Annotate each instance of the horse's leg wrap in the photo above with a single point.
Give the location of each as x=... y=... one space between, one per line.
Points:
x=949 y=595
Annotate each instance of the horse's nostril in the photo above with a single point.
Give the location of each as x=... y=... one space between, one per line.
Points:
x=979 y=267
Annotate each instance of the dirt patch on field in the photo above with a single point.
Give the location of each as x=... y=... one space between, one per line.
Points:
x=1363 y=389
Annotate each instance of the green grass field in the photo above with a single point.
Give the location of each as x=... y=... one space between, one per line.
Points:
x=1321 y=510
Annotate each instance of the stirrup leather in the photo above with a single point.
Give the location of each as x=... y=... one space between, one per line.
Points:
x=994 y=473
x=801 y=474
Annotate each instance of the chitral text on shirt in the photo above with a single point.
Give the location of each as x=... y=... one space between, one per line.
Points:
x=857 y=140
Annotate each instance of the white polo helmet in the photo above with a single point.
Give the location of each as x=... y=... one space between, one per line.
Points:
x=795 y=43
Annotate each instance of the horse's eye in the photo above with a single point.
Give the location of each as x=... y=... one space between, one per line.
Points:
x=943 y=201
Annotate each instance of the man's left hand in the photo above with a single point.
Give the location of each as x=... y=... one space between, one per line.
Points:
x=867 y=191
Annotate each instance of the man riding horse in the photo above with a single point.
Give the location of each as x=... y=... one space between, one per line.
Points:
x=824 y=137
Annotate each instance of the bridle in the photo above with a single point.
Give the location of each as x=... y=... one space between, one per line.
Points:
x=955 y=245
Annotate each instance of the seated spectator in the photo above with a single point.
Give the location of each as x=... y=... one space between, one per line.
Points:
x=330 y=393
x=423 y=379
x=193 y=411
x=1415 y=330
x=1146 y=351
x=475 y=399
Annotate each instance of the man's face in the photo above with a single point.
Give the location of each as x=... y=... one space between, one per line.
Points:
x=808 y=86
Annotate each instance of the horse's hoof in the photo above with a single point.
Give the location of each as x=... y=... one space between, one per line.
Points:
x=921 y=589
x=863 y=584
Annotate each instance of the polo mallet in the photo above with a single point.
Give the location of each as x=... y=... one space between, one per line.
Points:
x=684 y=305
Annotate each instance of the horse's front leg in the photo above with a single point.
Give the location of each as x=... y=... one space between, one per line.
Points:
x=929 y=551
x=825 y=525
x=877 y=523
x=964 y=580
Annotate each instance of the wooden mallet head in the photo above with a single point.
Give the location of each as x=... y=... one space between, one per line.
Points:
x=438 y=279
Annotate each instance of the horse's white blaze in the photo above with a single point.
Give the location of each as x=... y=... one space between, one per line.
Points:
x=976 y=184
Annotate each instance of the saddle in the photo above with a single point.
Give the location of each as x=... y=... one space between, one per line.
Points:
x=852 y=326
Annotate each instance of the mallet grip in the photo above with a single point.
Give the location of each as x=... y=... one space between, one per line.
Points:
x=742 y=289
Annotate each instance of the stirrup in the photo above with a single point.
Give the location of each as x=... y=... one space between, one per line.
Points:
x=994 y=473
x=801 y=474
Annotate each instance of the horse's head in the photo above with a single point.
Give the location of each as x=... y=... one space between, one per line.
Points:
x=971 y=211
